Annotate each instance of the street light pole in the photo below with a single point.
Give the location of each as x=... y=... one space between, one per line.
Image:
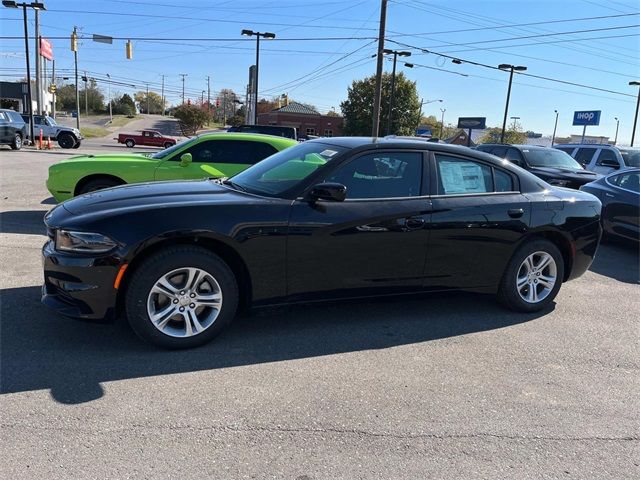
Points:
x=110 y=109
x=395 y=54
x=265 y=35
x=74 y=37
x=183 y=75
x=615 y=141
x=555 y=127
x=511 y=68
x=38 y=64
x=514 y=122
x=635 y=119
x=442 y=122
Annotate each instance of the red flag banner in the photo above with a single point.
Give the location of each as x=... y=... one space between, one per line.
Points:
x=46 y=49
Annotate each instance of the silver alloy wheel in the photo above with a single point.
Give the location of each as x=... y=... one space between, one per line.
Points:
x=536 y=277
x=18 y=142
x=184 y=302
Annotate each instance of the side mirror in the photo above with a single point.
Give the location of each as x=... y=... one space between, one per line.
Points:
x=610 y=164
x=329 y=191
x=185 y=159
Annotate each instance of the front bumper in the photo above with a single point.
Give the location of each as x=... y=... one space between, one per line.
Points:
x=79 y=286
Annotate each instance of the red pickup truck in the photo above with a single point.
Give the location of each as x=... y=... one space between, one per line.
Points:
x=146 y=137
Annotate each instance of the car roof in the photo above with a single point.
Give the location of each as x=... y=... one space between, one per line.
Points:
x=389 y=142
x=594 y=145
x=515 y=145
x=255 y=136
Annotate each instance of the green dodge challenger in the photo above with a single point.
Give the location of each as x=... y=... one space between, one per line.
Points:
x=207 y=155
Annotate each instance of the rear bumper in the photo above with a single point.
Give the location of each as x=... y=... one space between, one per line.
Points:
x=585 y=242
x=80 y=287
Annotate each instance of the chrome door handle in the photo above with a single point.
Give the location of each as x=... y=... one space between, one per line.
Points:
x=516 y=212
x=608 y=195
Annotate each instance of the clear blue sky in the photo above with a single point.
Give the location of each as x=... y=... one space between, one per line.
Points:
x=318 y=72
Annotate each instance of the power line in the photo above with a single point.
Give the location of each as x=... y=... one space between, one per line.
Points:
x=201 y=39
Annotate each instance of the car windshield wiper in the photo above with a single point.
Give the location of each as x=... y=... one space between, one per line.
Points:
x=233 y=185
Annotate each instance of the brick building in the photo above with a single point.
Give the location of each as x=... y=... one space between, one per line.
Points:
x=305 y=119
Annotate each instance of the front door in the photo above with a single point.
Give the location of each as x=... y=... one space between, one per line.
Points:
x=375 y=240
x=477 y=219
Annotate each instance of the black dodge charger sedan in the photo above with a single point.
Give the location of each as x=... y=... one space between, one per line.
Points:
x=550 y=164
x=336 y=217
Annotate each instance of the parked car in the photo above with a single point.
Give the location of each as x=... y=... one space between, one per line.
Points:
x=150 y=138
x=619 y=193
x=553 y=166
x=67 y=137
x=603 y=159
x=209 y=155
x=278 y=131
x=13 y=130
x=340 y=217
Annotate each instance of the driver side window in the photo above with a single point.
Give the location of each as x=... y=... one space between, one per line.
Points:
x=382 y=175
x=203 y=152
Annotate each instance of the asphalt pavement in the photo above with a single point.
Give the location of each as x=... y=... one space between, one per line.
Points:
x=441 y=386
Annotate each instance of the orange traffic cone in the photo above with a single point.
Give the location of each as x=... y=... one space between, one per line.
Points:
x=49 y=142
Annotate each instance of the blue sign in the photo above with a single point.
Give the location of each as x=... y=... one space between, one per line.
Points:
x=591 y=117
x=424 y=131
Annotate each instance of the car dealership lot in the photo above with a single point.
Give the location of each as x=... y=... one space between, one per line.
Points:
x=440 y=386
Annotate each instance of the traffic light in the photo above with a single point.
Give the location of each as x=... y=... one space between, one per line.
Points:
x=188 y=101
x=129 y=50
x=74 y=42
x=52 y=88
x=217 y=103
x=85 y=79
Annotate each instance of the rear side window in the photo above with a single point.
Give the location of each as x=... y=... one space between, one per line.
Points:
x=499 y=151
x=485 y=148
x=606 y=156
x=241 y=151
x=585 y=155
x=628 y=181
x=513 y=155
x=458 y=176
x=568 y=150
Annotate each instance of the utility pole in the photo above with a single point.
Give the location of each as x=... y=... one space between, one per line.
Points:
x=183 y=75
x=442 y=122
x=555 y=127
x=635 y=119
x=38 y=65
x=53 y=93
x=75 y=62
x=148 y=112
x=162 y=95
x=110 y=108
x=615 y=141
x=208 y=95
x=86 y=94
x=29 y=96
x=515 y=119
x=378 y=88
x=224 y=108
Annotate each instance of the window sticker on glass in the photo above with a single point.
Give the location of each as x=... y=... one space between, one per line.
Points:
x=328 y=153
x=461 y=177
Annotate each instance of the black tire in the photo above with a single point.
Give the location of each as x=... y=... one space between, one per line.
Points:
x=508 y=293
x=129 y=143
x=158 y=265
x=16 y=144
x=98 y=184
x=168 y=144
x=77 y=145
x=66 y=140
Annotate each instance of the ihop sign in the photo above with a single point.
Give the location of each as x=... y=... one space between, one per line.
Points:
x=586 y=118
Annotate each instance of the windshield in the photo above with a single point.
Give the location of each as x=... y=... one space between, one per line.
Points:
x=631 y=157
x=170 y=150
x=283 y=170
x=550 y=157
x=51 y=121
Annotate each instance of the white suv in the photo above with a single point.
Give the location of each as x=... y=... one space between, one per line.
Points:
x=601 y=158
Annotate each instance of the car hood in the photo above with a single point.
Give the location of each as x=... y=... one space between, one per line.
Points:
x=110 y=157
x=565 y=173
x=153 y=195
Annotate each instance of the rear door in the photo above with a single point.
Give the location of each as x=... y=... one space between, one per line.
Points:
x=606 y=161
x=477 y=219
x=584 y=156
x=374 y=241
x=621 y=204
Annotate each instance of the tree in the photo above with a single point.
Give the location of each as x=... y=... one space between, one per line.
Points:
x=92 y=96
x=123 y=105
x=66 y=98
x=236 y=120
x=358 y=108
x=332 y=113
x=514 y=136
x=190 y=118
x=156 y=105
x=227 y=101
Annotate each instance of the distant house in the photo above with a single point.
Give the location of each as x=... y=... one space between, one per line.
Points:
x=462 y=138
x=307 y=120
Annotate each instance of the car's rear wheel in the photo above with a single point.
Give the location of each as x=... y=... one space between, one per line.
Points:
x=181 y=297
x=533 y=277
x=66 y=140
x=130 y=143
x=168 y=144
x=98 y=184
x=17 y=142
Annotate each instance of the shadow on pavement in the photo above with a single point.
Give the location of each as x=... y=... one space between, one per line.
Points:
x=49 y=201
x=29 y=222
x=41 y=350
x=618 y=260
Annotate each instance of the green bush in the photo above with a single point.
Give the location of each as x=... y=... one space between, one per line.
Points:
x=190 y=118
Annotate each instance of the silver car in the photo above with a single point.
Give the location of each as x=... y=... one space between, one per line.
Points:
x=601 y=158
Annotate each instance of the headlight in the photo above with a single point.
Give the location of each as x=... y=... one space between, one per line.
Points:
x=82 y=242
x=558 y=183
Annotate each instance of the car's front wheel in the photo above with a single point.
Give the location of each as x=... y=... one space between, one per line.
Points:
x=533 y=277
x=130 y=143
x=66 y=140
x=77 y=144
x=181 y=297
